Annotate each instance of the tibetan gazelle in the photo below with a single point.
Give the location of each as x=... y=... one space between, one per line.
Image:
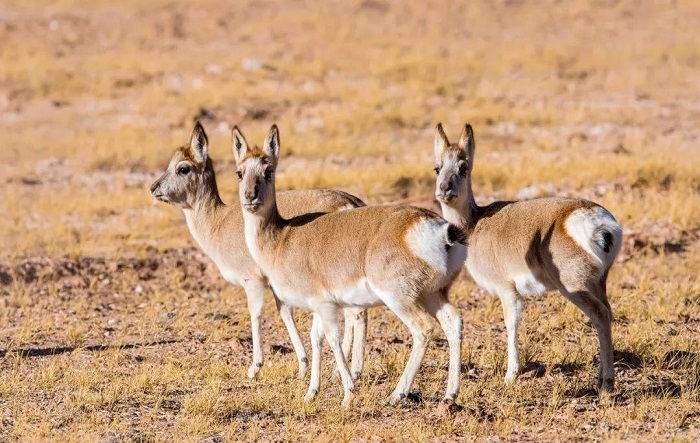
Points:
x=190 y=182
x=399 y=256
x=517 y=249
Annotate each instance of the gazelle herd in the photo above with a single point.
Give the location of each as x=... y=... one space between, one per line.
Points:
x=326 y=251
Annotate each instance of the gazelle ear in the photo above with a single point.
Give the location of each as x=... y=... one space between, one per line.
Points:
x=441 y=142
x=199 y=144
x=238 y=144
x=271 y=146
x=466 y=141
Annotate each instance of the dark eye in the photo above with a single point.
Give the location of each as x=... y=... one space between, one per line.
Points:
x=463 y=170
x=437 y=170
x=240 y=175
x=184 y=169
x=268 y=174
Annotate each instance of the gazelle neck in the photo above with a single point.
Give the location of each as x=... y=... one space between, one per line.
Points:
x=261 y=228
x=464 y=213
x=205 y=203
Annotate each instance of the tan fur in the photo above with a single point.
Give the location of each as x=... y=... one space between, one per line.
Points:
x=530 y=247
x=218 y=230
x=398 y=256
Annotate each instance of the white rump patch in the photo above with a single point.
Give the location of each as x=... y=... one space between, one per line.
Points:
x=427 y=239
x=588 y=226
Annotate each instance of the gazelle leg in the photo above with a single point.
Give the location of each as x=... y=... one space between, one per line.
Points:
x=255 y=293
x=348 y=326
x=512 y=304
x=287 y=314
x=450 y=320
x=411 y=316
x=589 y=301
x=354 y=335
x=358 y=344
x=331 y=328
x=316 y=342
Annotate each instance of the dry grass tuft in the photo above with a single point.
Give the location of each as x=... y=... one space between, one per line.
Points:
x=114 y=328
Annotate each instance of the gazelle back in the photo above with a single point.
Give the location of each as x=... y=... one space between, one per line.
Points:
x=517 y=249
x=190 y=182
x=401 y=257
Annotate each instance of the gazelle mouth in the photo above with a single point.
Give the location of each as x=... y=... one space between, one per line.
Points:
x=445 y=198
x=161 y=197
x=252 y=207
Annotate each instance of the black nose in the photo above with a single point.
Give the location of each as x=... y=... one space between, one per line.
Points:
x=154 y=186
x=252 y=194
x=446 y=186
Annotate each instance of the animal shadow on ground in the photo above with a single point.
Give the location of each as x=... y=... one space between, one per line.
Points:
x=57 y=350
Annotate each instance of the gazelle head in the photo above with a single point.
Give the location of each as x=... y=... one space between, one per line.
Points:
x=453 y=167
x=255 y=168
x=189 y=173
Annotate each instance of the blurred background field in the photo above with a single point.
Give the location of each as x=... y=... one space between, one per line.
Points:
x=592 y=99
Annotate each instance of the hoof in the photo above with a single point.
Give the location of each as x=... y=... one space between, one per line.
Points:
x=395 y=398
x=606 y=385
x=356 y=375
x=347 y=401
x=253 y=370
x=510 y=378
x=310 y=395
x=303 y=366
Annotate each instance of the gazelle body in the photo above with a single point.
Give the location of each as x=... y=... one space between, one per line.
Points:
x=527 y=248
x=190 y=183
x=399 y=256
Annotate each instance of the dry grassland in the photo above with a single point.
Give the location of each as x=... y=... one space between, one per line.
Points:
x=113 y=327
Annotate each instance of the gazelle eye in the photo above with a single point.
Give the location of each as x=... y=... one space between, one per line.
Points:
x=437 y=170
x=240 y=175
x=184 y=169
x=268 y=174
x=463 y=170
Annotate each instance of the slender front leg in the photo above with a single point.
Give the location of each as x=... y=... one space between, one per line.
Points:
x=255 y=293
x=316 y=342
x=512 y=304
x=287 y=314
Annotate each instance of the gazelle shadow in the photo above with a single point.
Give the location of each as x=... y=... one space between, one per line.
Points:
x=57 y=350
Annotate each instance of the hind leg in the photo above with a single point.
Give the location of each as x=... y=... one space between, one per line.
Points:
x=450 y=320
x=354 y=331
x=512 y=304
x=328 y=315
x=412 y=317
x=590 y=300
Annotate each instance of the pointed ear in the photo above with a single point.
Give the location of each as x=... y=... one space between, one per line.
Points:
x=199 y=144
x=441 y=142
x=239 y=144
x=466 y=141
x=271 y=146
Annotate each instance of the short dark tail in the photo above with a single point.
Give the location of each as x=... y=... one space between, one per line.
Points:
x=456 y=234
x=353 y=200
x=606 y=240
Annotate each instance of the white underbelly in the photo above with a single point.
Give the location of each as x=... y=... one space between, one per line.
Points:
x=358 y=294
x=525 y=283
x=288 y=295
